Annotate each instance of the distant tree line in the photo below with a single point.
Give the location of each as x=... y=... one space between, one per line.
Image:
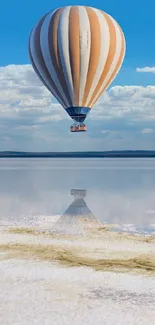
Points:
x=84 y=154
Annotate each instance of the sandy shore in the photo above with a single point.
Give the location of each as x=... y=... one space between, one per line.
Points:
x=35 y=292
x=97 y=248
x=94 y=277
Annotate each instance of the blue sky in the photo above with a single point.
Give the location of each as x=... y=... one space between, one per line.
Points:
x=138 y=23
x=135 y=17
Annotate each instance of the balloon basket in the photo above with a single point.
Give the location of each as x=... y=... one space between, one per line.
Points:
x=78 y=128
x=78 y=193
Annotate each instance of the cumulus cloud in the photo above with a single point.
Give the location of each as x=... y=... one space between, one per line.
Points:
x=146 y=69
x=135 y=103
x=28 y=112
x=23 y=95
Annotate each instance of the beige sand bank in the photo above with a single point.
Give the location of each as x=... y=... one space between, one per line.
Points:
x=97 y=248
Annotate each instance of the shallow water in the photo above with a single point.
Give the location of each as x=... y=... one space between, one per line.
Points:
x=117 y=191
x=64 y=256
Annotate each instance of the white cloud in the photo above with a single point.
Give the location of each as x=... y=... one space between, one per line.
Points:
x=146 y=69
x=28 y=110
x=147 y=131
x=55 y=117
x=135 y=103
x=22 y=94
x=107 y=132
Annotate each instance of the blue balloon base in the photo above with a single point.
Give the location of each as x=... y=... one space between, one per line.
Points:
x=78 y=113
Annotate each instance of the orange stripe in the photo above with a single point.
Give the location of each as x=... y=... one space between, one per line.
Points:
x=117 y=66
x=54 y=51
x=111 y=54
x=41 y=59
x=74 y=50
x=94 y=50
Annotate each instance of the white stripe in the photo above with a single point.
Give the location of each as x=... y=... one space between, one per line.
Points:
x=47 y=56
x=85 y=40
x=38 y=66
x=123 y=44
x=104 y=49
x=63 y=45
x=115 y=60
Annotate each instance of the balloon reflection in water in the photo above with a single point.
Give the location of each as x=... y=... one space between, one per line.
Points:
x=77 y=216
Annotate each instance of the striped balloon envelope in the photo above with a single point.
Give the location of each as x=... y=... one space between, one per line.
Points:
x=77 y=51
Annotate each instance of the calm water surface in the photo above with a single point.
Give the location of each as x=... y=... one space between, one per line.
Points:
x=115 y=191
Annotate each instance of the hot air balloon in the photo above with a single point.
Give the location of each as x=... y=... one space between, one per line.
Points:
x=77 y=51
